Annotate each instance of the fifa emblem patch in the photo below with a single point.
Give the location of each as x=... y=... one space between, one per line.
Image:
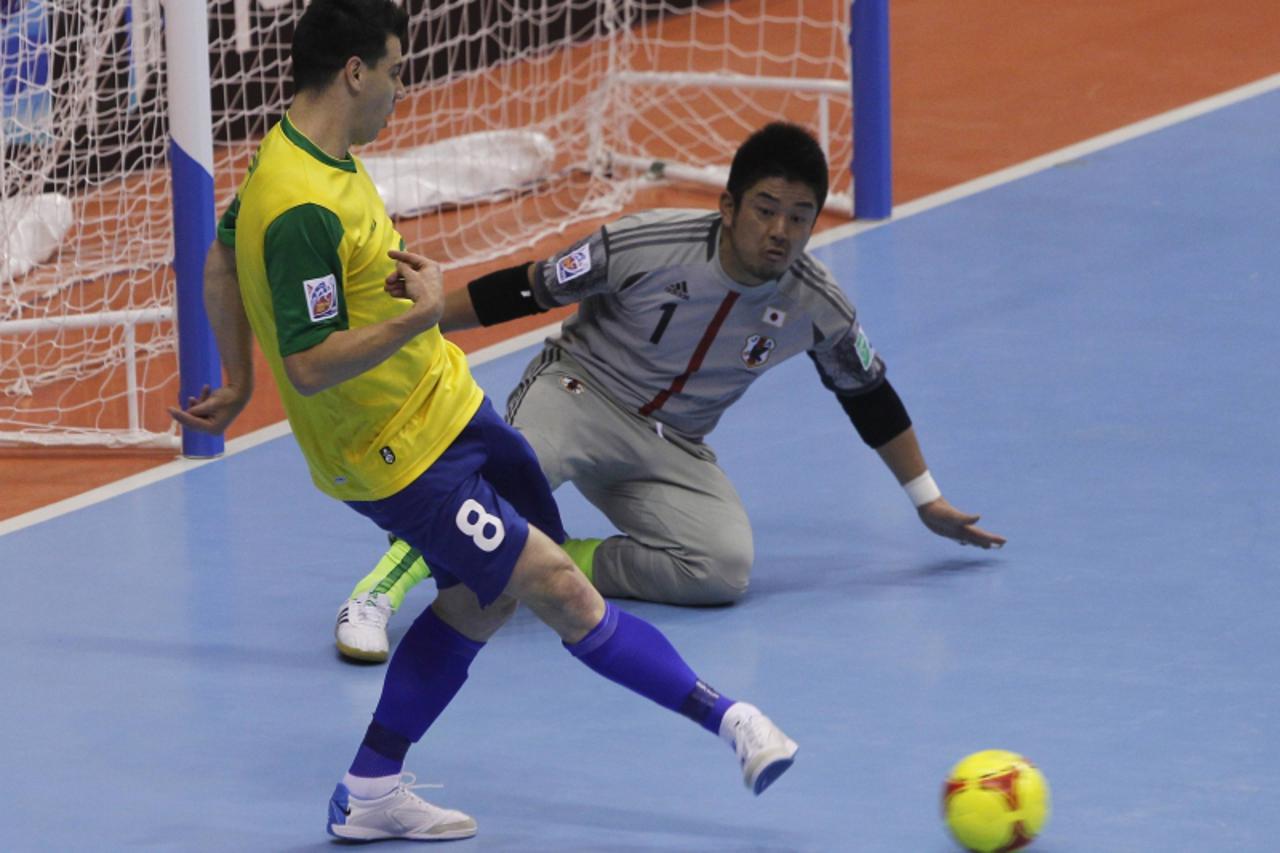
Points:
x=757 y=350
x=775 y=316
x=866 y=355
x=574 y=264
x=573 y=386
x=322 y=297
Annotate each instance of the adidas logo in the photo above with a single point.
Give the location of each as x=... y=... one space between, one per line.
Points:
x=678 y=289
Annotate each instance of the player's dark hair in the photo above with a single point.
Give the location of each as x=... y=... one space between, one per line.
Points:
x=779 y=150
x=332 y=31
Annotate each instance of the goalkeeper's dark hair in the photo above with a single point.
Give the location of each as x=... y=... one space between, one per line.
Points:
x=332 y=31
x=779 y=150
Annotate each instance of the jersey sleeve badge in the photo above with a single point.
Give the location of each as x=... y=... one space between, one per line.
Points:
x=866 y=355
x=322 y=297
x=575 y=264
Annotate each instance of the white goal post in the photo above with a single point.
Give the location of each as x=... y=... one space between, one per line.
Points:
x=125 y=126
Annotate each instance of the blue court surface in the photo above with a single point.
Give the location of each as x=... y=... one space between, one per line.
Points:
x=1090 y=357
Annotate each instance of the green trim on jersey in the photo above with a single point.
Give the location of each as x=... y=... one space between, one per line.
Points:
x=227 y=223
x=298 y=138
x=303 y=268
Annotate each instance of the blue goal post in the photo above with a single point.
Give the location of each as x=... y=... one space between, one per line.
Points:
x=191 y=162
x=872 y=136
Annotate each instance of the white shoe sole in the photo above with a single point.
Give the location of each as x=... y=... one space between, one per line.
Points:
x=446 y=832
x=361 y=654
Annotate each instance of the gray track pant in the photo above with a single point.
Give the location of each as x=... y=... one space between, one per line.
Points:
x=686 y=538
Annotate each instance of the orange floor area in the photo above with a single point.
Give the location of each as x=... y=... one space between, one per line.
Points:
x=976 y=87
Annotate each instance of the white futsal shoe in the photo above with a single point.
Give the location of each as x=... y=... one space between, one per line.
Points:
x=361 y=631
x=763 y=750
x=400 y=814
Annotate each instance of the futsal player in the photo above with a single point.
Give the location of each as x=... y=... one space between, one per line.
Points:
x=391 y=422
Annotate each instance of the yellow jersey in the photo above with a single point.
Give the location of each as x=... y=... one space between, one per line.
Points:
x=311 y=237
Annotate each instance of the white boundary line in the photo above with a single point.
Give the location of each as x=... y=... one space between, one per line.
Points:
x=995 y=179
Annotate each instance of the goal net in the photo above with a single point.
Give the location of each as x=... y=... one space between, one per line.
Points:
x=85 y=296
x=524 y=120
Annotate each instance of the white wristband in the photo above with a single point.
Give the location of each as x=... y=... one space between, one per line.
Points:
x=922 y=490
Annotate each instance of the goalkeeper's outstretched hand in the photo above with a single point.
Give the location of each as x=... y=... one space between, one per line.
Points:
x=945 y=520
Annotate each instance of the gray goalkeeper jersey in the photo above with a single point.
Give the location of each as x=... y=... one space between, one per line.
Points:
x=663 y=329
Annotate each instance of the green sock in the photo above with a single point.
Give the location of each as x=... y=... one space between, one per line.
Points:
x=400 y=570
x=583 y=554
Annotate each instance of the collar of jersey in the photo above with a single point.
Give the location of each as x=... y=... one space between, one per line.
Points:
x=298 y=138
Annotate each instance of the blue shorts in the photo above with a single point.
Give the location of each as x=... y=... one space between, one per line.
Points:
x=469 y=513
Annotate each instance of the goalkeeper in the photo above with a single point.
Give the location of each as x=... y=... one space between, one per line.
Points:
x=678 y=313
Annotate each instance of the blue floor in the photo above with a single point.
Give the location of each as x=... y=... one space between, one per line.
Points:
x=1090 y=358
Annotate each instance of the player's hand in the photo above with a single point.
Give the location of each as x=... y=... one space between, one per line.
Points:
x=213 y=411
x=420 y=280
x=945 y=520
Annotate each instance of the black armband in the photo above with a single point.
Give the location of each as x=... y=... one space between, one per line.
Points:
x=503 y=295
x=878 y=415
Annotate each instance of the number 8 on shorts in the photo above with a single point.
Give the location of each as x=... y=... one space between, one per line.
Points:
x=474 y=521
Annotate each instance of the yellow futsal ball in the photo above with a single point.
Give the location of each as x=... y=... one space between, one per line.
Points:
x=995 y=801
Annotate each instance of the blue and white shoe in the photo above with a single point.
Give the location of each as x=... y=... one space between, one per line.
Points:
x=764 y=752
x=400 y=814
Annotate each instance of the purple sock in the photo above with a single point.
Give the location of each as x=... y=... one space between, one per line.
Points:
x=381 y=753
x=426 y=671
x=629 y=651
